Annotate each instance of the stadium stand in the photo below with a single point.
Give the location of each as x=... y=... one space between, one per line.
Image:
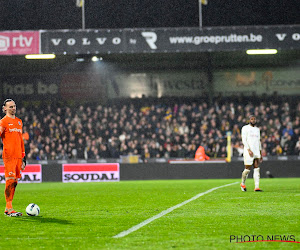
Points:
x=158 y=128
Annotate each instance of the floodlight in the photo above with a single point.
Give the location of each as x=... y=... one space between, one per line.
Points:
x=95 y=59
x=261 y=51
x=40 y=56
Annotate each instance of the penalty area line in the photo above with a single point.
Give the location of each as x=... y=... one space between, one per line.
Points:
x=169 y=210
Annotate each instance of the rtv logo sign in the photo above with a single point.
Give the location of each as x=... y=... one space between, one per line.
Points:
x=12 y=43
x=4 y=43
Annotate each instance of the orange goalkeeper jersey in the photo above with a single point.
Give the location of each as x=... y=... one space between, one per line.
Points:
x=13 y=144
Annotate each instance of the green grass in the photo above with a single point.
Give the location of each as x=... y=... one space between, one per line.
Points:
x=88 y=215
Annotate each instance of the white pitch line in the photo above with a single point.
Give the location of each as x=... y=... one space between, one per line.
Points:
x=169 y=210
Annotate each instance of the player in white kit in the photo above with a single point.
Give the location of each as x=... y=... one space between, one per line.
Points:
x=252 y=152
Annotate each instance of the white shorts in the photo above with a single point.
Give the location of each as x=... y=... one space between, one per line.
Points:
x=248 y=160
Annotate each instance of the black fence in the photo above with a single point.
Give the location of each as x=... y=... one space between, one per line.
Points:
x=164 y=171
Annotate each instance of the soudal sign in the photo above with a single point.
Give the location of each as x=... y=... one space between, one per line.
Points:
x=19 y=43
x=92 y=172
x=31 y=174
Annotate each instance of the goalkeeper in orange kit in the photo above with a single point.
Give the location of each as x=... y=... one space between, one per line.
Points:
x=13 y=153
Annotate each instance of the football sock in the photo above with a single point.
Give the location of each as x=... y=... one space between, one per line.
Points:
x=9 y=192
x=245 y=175
x=14 y=189
x=256 y=177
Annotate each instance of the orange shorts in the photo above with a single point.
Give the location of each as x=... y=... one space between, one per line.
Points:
x=13 y=167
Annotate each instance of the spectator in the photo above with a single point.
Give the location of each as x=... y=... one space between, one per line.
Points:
x=284 y=139
x=170 y=128
x=183 y=129
x=288 y=129
x=200 y=154
x=62 y=155
x=288 y=148
x=297 y=147
x=41 y=156
x=104 y=152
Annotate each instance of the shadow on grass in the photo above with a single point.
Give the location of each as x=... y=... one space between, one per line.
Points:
x=41 y=219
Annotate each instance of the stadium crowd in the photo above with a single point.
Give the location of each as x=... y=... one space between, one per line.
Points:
x=158 y=128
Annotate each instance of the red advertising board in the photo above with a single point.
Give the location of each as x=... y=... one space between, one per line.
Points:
x=19 y=42
x=31 y=174
x=91 y=172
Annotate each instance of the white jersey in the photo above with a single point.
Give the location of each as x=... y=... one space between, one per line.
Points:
x=251 y=140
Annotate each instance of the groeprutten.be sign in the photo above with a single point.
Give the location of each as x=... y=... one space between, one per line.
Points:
x=164 y=40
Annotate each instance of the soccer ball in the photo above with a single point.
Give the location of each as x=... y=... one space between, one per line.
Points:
x=32 y=209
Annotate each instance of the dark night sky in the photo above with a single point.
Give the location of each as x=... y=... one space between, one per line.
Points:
x=63 y=14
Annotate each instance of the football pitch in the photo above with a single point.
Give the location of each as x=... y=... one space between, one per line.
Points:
x=183 y=214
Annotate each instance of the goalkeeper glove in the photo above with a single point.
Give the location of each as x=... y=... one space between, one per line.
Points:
x=24 y=161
